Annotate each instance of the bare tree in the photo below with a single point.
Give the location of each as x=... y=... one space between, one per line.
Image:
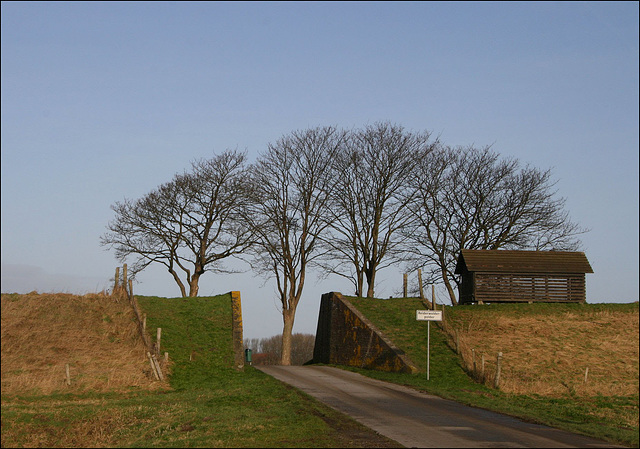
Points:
x=468 y=198
x=268 y=350
x=368 y=205
x=189 y=225
x=252 y=343
x=292 y=186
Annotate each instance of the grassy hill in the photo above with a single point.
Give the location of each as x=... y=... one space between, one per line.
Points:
x=555 y=349
x=196 y=332
x=95 y=335
x=546 y=349
x=114 y=402
x=206 y=403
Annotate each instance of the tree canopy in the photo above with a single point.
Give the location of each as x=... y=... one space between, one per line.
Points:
x=342 y=202
x=369 y=201
x=189 y=224
x=470 y=198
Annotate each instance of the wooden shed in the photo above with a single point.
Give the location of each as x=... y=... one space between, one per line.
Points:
x=522 y=276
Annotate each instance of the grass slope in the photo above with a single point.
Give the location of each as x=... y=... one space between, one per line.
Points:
x=208 y=404
x=613 y=417
x=95 y=335
x=196 y=332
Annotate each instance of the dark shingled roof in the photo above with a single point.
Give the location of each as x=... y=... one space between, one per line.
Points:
x=497 y=261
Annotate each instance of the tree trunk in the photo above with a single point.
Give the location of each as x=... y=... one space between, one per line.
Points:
x=371 y=277
x=193 y=286
x=447 y=284
x=360 y=283
x=288 y=317
x=176 y=278
x=370 y=291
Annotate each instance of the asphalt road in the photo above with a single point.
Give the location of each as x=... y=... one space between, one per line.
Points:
x=416 y=419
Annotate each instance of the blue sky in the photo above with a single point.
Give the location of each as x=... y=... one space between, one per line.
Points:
x=106 y=101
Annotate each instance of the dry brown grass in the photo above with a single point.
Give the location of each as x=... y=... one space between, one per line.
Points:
x=95 y=334
x=44 y=429
x=548 y=353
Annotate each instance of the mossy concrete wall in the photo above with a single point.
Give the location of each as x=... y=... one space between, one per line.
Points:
x=346 y=337
x=236 y=330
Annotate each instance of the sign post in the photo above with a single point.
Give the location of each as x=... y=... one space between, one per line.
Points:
x=428 y=316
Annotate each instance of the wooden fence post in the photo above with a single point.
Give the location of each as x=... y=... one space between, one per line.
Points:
x=117 y=279
x=158 y=337
x=420 y=283
x=433 y=297
x=154 y=369
x=497 y=380
x=482 y=368
x=473 y=361
x=142 y=324
x=67 y=374
x=586 y=374
x=404 y=285
x=157 y=365
x=124 y=277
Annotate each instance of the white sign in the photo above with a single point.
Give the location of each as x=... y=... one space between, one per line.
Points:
x=429 y=315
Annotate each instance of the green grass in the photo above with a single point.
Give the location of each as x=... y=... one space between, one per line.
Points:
x=396 y=319
x=196 y=332
x=210 y=404
x=252 y=410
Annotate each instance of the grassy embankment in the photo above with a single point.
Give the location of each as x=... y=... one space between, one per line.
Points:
x=546 y=349
x=111 y=402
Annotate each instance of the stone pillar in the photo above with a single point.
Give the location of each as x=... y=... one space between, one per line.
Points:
x=236 y=330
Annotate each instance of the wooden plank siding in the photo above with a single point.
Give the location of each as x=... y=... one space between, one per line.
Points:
x=522 y=276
